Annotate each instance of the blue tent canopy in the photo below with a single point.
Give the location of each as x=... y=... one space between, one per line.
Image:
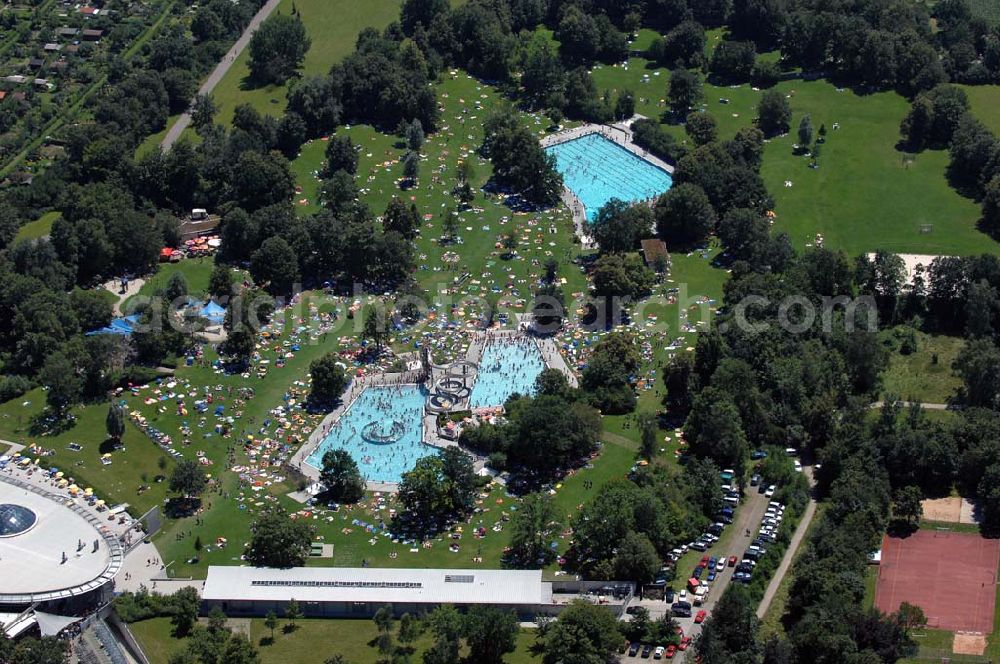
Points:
x=122 y=326
x=213 y=312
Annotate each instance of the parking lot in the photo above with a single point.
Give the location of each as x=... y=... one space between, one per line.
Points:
x=736 y=541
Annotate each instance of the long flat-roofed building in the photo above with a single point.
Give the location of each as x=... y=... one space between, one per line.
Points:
x=360 y=592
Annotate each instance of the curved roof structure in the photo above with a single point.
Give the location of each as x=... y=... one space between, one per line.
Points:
x=50 y=548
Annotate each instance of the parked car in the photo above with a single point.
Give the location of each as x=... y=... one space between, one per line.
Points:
x=770 y=491
x=700 y=616
x=633 y=650
x=754 y=480
x=732 y=561
x=798 y=466
x=658 y=653
x=685 y=642
x=668 y=597
x=758 y=454
x=721 y=565
x=671 y=651
x=704 y=561
x=646 y=649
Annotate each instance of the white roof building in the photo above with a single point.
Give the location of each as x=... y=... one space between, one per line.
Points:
x=357 y=590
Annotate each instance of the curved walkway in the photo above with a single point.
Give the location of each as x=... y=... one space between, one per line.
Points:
x=219 y=72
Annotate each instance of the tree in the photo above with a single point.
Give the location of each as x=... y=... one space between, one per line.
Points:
x=684 y=215
x=520 y=163
x=583 y=633
x=115 y=422
x=277 y=49
x=701 y=127
x=411 y=166
x=339 y=192
x=177 y=287
x=732 y=632
x=733 y=61
x=184 y=614
x=773 y=113
x=649 y=436
x=805 y=132
x=65 y=385
x=978 y=365
x=714 y=429
x=906 y=506
x=415 y=136
x=341 y=477
x=991 y=206
x=203 y=112
x=409 y=629
x=341 y=155
x=275 y=266
x=277 y=540
x=683 y=92
x=402 y=219
x=636 y=559
x=376 y=327
x=531 y=528
x=188 y=479
x=292 y=613
x=328 y=380
x=220 y=282
x=271 y=622
x=490 y=633
x=625 y=105
x=383 y=619
x=619 y=226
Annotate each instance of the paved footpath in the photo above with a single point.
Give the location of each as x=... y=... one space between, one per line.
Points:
x=220 y=71
x=793 y=547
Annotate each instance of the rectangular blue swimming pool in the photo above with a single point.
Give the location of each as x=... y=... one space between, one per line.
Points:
x=597 y=169
x=507 y=366
x=383 y=431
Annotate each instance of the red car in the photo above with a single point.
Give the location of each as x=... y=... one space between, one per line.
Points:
x=671 y=651
x=732 y=561
x=700 y=617
x=685 y=642
x=704 y=562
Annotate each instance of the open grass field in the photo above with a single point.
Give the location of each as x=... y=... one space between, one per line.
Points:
x=38 y=228
x=863 y=196
x=196 y=272
x=985 y=101
x=926 y=375
x=117 y=482
x=986 y=9
x=312 y=642
x=333 y=28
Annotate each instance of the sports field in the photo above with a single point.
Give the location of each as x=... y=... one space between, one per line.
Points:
x=951 y=576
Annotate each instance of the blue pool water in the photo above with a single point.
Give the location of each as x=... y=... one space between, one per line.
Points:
x=380 y=407
x=506 y=367
x=597 y=169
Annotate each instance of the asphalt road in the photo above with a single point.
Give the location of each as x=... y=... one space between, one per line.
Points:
x=220 y=71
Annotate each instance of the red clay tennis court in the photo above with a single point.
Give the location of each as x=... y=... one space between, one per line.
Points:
x=951 y=576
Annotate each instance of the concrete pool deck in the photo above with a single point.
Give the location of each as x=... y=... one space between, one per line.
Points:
x=619 y=133
x=551 y=358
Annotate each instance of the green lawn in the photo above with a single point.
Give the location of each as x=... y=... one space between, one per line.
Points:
x=333 y=28
x=771 y=622
x=985 y=100
x=863 y=197
x=871 y=582
x=312 y=642
x=37 y=228
x=986 y=9
x=117 y=482
x=195 y=270
x=918 y=377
